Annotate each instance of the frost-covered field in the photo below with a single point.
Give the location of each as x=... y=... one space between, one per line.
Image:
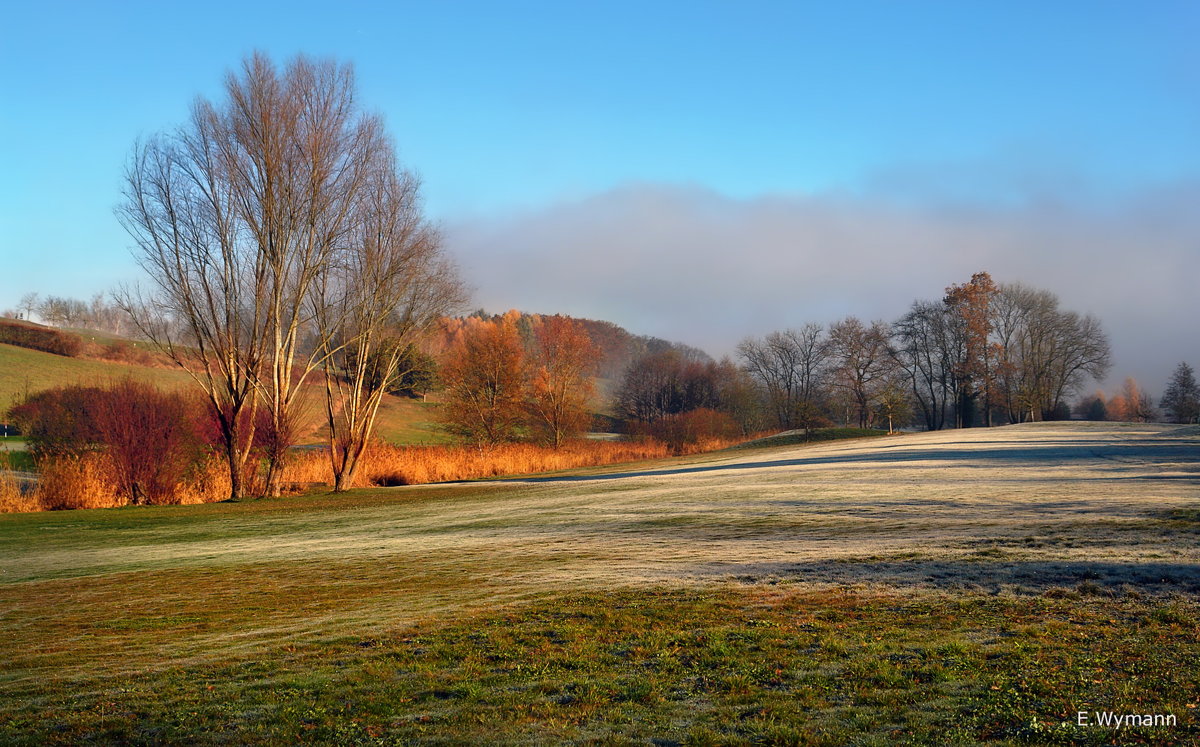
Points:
x=1007 y=576
x=1030 y=505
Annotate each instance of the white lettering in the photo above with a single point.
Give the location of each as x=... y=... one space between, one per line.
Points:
x=1121 y=720
x=1104 y=718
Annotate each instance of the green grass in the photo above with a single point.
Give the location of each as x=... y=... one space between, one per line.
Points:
x=410 y=421
x=23 y=370
x=143 y=646
x=532 y=613
x=21 y=461
x=734 y=665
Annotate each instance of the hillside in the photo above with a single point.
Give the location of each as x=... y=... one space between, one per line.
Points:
x=401 y=420
x=801 y=594
x=24 y=370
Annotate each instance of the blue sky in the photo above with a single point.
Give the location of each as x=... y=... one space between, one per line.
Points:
x=519 y=111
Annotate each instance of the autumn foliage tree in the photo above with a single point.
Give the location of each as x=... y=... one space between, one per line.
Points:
x=484 y=379
x=969 y=308
x=1131 y=404
x=561 y=365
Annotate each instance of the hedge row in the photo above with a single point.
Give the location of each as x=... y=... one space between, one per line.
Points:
x=37 y=337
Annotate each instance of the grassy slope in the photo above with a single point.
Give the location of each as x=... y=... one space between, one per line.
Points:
x=401 y=420
x=651 y=606
x=24 y=370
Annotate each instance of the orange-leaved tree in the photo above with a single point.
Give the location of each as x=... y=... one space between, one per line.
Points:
x=485 y=383
x=969 y=306
x=561 y=365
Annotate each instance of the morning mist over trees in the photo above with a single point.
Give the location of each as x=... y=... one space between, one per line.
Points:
x=720 y=211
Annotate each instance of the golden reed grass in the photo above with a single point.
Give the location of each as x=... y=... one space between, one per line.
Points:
x=87 y=481
x=385 y=464
x=13 y=499
x=84 y=481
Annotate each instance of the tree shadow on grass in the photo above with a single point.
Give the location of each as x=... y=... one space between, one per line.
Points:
x=1115 y=456
x=1020 y=576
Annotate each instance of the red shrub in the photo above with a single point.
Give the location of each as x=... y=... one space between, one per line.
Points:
x=145 y=439
x=149 y=438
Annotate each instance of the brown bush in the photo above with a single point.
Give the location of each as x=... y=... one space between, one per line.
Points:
x=59 y=421
x=143 y=440
x=691 y=431
x=122 y=351
x=149 y=439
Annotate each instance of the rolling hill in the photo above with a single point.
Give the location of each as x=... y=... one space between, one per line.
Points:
x=22 y=371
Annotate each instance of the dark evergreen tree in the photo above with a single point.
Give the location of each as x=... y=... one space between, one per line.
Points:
x=1181 y=401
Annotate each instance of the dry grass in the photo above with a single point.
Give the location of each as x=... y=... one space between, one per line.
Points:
x=12 y=498
x=210 y=482
x=388 y=465
x=87 y=482
x=84 y=481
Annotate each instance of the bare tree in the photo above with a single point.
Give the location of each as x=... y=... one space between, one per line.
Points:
x=862 y=362
x=386 y=288
x=63 y=312
x=29 y=304
x=206 y=309
x=924 y=348
x=1044 y=354
x=297 y=154
x=894 y=401
x=791 y=368
x=238 y=217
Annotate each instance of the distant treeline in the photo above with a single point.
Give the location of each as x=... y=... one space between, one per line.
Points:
x=617 y=347
x=98 y=313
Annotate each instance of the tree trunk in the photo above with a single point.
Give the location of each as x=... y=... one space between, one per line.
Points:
x=235 y=472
